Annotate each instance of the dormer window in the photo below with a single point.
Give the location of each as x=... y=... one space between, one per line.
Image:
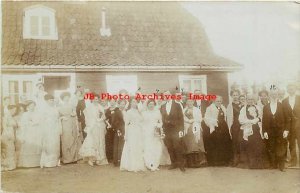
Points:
x=39 y=23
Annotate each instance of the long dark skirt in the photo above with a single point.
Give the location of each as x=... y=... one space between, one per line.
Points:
x=206 y=134
x=118 y=148
x=109 y=144
x=195 y=155
x=237 y=135
x=256 y=149
x=219 y=150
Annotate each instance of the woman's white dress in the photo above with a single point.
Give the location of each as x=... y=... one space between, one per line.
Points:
x=30 y=137
x=133 y=156
x=8 y=154
x=94 y=143
x=153 y=144
x=51 y=131
x=165 y=157
x=40 y=101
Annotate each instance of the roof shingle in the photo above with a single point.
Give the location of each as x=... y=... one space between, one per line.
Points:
x=142 y=34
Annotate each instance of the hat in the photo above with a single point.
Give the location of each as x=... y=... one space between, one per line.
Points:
x=62 y=95
x=39 y=84
x=29 y=102
x=48 y=97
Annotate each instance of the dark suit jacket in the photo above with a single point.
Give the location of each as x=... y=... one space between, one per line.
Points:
x=291 y=115
x=279 y=120
x=204 y=105
x=115 y=119
x=79 y=110
x=174 y=121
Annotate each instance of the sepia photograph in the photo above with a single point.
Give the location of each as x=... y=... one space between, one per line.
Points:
x=150 y=96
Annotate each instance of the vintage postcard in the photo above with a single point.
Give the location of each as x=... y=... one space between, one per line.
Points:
x=150 y=96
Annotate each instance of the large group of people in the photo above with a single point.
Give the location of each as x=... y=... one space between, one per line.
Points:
x=139 y=135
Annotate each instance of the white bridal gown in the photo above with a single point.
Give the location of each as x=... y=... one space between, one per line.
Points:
x=153 y=144
x=94 y=143
x=51 y=131
x=30 y=136
x=132 y=155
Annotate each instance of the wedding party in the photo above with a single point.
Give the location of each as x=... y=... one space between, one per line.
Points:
x=152 y=96
x=137 y=135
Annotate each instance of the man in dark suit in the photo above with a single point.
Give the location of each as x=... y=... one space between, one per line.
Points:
x=172 y=119
x=202 y=105
x=79 y=111
x=291 y=107
x=274 y=130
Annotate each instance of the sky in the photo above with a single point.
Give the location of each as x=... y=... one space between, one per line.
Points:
x=262 y=36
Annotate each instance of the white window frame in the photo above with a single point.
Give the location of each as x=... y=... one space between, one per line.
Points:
x=39 y=11
x=34 y=78
x=202 y=78
x=121 y=78
x=72 y=87
x=20 y=79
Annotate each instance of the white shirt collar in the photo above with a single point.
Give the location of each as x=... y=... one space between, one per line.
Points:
x=292 y=100
x=273 y=106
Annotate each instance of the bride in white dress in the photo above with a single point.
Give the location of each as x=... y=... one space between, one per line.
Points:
x=93 y=147
x=51 y=132
x=30 y=136
x=153 y=144
x=132 y=155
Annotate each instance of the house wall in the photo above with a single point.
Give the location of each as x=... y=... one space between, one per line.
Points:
x=217 y=82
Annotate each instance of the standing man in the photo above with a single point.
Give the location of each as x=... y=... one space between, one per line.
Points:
x=172 y=119
x=112 y=126
x=291 y=107
x=274 y=131
x=79 y=111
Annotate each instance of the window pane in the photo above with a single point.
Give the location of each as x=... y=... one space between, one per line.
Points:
x=187 y=86
x=197 y=85
x=27 y=87
x=13 y=87
x=34 y=25
x=14 y=91
x=45 y=26
x=116 y=83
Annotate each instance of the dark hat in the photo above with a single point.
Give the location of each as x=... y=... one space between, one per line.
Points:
x=263 y=92
x=9 y=107
x=48 y=97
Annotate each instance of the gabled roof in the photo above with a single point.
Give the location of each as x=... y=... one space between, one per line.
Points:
x=144 y=36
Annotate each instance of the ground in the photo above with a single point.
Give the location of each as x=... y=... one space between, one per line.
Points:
x=84 y=178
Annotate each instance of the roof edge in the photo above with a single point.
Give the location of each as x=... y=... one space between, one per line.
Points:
x=124 y=68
